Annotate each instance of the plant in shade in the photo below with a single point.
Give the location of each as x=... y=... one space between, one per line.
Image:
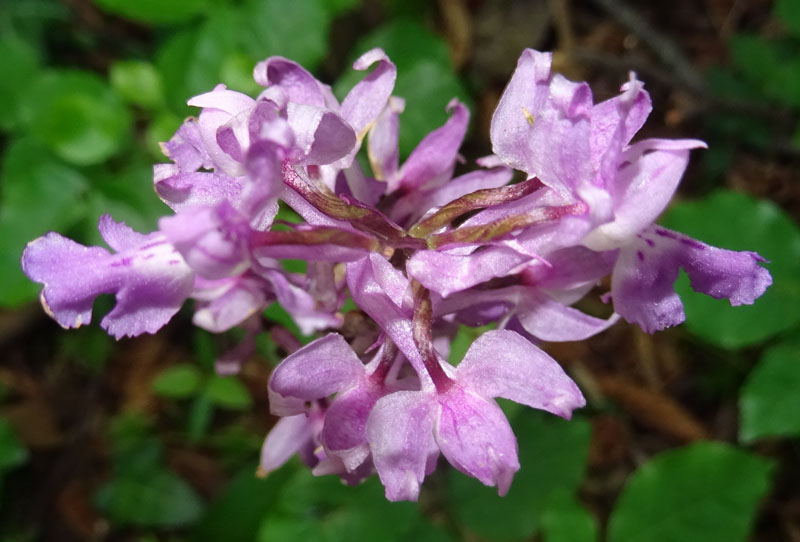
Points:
x=419 y=250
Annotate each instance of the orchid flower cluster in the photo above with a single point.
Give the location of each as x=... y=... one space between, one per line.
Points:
x=418 y=251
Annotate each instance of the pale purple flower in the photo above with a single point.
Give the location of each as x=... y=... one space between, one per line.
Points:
x=147 y=275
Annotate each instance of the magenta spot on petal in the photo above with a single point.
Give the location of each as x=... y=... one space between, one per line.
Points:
x=692 y=243
x=174 y=262
x=650 y=242
x=151 y=245
x=124 y=262
x=666 y=233
x=640 y=255
x=148 y=256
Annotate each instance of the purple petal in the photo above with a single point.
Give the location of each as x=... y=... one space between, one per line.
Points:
x=214 y=241
x=448 y=273
x=186 y=149
x=475 y=437
x=645 y=183
x=299 y=304
x=382 y=146
x=226 y=303
x=321 y=368
x=299 y=85
x=118 y=235
x=642 y=282
x=400 y=435
x=542 y=124
x=502 y=363
x=369 y=280
x=181 y=190
x=321 y=135
x=150 y=280
x=286 y=438
x=367 y=99
x=614 y=123
x=436 y=154
x=548 y=320
x=344 y=432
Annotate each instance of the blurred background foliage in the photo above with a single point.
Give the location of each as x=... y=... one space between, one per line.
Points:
x=691 y=434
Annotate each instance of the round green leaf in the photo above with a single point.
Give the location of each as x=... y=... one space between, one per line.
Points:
x=157 y=499
x=324 y=509
x=228 y=392
x=770 y=402
x=178 y=381
x=154 y=11
x=706 y=492
x=552 y=456
x=78 y=116
x=565 y=520
x=137 y=82
x=737 y=222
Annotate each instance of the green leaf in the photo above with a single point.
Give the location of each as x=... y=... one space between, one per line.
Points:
x=425 y=77
x=228 y=392
x=238 y=511
x=191 y=61
x=137 y=82
x=297 y=30
x=770 y=402
x=159 y=499
x=77 y=115
x=12 y=452
x=17 y=71
x=737 y=222
x=771 y=66
x=552 y=455
x=39 y=194
x=178 y=382
x=565 y=520
x=336 y=7
x=788 y=11
x=154 y=11
x=322 y=508
x=706 y=492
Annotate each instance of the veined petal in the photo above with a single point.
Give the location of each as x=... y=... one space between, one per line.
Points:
x=436 y=153
x=181 y=190
x=400 y=435
x=299 y=85
x=642 y=282
x=150 y=279
x=542 y=124
x=645 y=183
x=214 y=241
x=367 y=99
x=287 y=437
x=475 y=437
x=321 y=135
x=449 y=273
x=321 y=368
x=502 y=363
x=548 y=320
x=382 y=144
